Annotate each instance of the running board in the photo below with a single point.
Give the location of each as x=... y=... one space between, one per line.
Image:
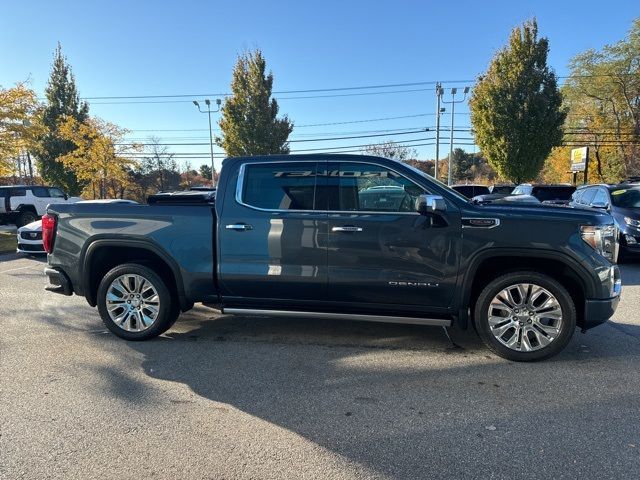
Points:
x=438 y=322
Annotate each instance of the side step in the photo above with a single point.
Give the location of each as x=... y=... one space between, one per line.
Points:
x=438 y=322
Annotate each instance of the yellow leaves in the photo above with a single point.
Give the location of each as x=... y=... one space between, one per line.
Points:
x=19 y=123
x=98 y=159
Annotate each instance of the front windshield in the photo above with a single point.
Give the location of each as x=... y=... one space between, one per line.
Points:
x=626 y=197
x=430 y=178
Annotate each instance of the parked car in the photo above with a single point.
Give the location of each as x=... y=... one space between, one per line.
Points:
x=23 y=204
x=471 y=191
x=294 y=236
x=623 y=203
x=548 y=194
x=30 y=235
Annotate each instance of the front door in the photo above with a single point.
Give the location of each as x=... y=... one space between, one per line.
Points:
x=381 y=251
x=273 y=242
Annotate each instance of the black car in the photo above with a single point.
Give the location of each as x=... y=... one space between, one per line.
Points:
x=559 y=194
x=471 y=191
x=623 y=203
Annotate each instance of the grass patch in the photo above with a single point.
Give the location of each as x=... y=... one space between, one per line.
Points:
x=8 y=242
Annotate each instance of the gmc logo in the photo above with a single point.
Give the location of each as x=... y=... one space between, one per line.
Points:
x=413 y=284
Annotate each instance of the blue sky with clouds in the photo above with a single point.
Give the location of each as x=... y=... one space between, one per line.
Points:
x=125 y=48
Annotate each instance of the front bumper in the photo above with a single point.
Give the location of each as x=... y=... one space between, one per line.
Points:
x=58 y=282
x=597 y=312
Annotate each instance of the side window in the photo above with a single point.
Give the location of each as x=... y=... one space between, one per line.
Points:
x=600 y=197
x=576 y=196
x=17 y=192
x=56 y=193
x=372 y=188
x=587 y=196
x=40 y=192
x=280 y=186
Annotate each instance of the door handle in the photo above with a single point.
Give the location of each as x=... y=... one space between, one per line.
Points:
x=239 y=227
x=346 y=228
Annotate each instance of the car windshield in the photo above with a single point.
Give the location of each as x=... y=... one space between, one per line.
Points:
x=626 y=197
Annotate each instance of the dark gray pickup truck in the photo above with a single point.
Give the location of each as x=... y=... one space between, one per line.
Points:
x=340 y=236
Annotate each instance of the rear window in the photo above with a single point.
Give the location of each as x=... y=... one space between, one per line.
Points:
x=281 y=186
x=553 y=193
x=471 y=191
x=12 y=192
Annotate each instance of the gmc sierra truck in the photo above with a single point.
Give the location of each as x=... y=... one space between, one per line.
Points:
x=340 y=236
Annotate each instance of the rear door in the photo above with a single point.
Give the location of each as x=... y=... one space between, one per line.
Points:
x=272 y=240
x=381 y=251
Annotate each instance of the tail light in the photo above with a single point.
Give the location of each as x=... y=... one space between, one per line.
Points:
x=48 y=232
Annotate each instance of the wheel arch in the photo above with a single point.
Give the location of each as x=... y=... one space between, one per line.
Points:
x=490 y=264
x=102 y=255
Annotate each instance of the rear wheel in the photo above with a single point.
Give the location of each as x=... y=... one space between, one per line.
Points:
x=135 y=303
x=525 y=316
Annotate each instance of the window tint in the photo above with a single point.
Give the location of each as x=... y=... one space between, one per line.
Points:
x=371 y=188
x=626 y=197
x=40 y=192
x=56 y=193
x=280 y=186
x=522 y=190
x=577 y=195
x=587 y=196
x=600 y=197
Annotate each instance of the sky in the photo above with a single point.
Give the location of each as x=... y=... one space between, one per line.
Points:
x=188 y=48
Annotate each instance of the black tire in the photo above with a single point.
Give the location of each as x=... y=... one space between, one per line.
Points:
x=168 y=309
x=26 y=218
x=567 y=327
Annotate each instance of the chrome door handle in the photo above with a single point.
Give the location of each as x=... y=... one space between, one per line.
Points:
x=346 y=228
x=239 y=227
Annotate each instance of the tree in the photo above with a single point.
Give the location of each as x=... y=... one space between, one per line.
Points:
x=516 y=107
x=62 y=101
x=205 y=171
x=603 y=97
x=97 y=159
x=159 y=164
x=249 y=120
x=19 y=125
x=392 y=150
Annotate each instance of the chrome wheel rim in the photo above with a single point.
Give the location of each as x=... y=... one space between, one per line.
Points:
x=133 y=303
x=525 y=317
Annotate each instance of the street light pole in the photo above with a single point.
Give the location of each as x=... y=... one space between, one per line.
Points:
x=453 y=108
x=438 y=98
x=208 y=112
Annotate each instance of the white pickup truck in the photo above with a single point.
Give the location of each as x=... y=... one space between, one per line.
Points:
x=23 y=204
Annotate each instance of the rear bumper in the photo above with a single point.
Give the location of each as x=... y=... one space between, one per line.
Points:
x=597 y=312
x=58 y=282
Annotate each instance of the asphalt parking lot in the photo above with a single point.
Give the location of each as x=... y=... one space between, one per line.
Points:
x=222 y=397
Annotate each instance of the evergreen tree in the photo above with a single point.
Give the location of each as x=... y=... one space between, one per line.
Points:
x=62 y=101
x=249 y=120
x=516 y=107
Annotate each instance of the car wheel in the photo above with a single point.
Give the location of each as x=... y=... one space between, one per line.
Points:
x=26 y=218
x=525 y=316
x=135 y=303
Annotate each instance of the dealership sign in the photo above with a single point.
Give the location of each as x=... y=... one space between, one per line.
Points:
x=579 y=159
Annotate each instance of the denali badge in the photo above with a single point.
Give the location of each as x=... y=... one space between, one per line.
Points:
x=413 y=284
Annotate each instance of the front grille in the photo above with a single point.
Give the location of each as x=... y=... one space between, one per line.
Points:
x=31 y=235
x=30 y=248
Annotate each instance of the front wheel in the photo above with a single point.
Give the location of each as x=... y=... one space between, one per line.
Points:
x=525 y=316
x=135 y=303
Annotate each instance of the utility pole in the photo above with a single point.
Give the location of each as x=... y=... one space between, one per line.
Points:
x=453 y=108
x=208 y=111
x=438 y=98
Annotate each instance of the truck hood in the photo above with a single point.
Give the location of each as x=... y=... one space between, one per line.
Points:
x=542 y=211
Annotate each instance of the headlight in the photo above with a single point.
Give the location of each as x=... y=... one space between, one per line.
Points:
x=632 y=222
x=603 y=238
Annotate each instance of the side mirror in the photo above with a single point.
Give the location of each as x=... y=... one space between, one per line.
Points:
x=430 y=204
x=602 y=205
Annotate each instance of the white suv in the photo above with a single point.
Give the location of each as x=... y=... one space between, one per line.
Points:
x=23 y=204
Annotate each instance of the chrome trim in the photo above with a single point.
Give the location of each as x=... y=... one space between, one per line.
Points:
x=438 y=322
x=238 y=226
x=240 y=184
x=346 y=229
x=496 y=224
